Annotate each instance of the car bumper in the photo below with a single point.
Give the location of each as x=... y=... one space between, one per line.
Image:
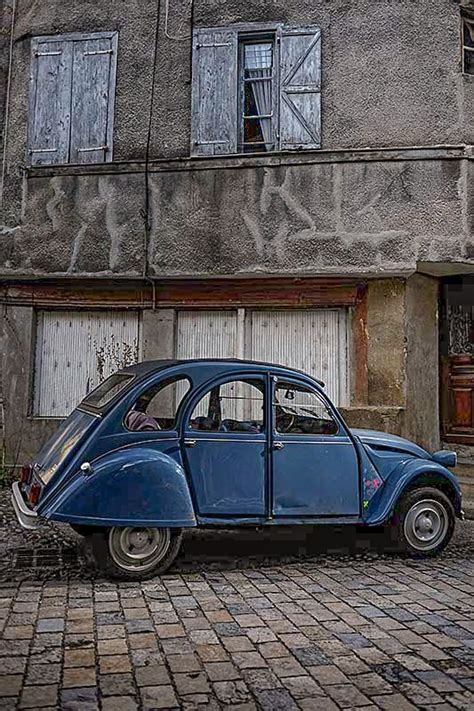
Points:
x=26 y=517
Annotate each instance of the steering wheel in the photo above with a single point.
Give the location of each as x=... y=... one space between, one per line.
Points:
x=284 y=420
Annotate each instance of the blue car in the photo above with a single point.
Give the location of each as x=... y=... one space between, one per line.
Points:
x=167 y=445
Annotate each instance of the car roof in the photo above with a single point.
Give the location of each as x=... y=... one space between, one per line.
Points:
x=147 y=367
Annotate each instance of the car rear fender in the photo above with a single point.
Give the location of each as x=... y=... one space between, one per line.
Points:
x=129 y=487
x=408 y=475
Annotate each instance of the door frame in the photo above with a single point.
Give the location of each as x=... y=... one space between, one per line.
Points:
x=274 y=436
x=184 y=433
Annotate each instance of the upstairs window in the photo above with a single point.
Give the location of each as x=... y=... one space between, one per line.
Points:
x=72 y=90
x=256 y=90
x=468 y=46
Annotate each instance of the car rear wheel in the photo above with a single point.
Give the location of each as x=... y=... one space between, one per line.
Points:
x=132 y=553
x=423 y=522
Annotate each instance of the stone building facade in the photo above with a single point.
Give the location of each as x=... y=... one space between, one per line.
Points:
x=144 y=216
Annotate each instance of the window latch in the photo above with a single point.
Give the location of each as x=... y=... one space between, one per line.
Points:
x=213 y=44
x=48 y=54
x=208 y=143
x=43 y=150
x=98 y=51
x=94 y=148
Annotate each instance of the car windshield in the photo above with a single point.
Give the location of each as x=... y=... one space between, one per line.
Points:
x=106 y=391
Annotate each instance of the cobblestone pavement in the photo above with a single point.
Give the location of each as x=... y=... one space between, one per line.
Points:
x=287 y=627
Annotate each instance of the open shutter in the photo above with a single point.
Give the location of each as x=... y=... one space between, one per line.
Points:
x=93 y=90
x=300 y=88
x=214 y=103
x=50 y=102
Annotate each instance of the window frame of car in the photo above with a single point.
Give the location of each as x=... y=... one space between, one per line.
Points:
x=310 y=387
x=164 y=377
x=207 y=387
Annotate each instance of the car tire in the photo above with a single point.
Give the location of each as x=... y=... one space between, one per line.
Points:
x=129 y=553
x=423 y=522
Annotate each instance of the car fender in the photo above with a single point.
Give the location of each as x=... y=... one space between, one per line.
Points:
x=129 y=487
x=383 y=503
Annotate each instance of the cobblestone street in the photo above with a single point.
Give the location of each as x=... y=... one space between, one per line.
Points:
x=282 y=622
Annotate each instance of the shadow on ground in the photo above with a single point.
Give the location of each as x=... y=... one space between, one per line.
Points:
x=65 y=556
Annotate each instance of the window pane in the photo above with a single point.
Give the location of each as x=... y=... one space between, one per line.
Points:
x=468 y=30
x=107 y=390
x=157 y=407
x=236 y=406
x=301 y=411
x=257 y=133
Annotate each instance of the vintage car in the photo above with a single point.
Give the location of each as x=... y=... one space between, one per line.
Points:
x=167 y=445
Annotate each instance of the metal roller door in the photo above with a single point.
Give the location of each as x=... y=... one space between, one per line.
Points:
x=313 y=340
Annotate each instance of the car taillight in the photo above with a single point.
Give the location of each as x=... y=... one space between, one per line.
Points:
x=34 y=494
x=25 y=473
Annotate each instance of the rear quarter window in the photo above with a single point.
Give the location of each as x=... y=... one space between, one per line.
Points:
x=107 y=391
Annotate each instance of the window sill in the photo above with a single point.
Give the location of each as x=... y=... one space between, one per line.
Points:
x=257 y=160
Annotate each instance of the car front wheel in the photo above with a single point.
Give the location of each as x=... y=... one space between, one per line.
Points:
x=132 y=553
x=423 y=522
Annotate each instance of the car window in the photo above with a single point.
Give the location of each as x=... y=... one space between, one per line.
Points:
x=106 y=391
x=300 y=411
x=157 y=407
x=236 y=406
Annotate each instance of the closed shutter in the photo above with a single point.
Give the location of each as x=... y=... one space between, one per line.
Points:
x=93 y=90
x=214 y=100
x=314 y=341
x=300 y=88
x=207 y=334
x=75 y=351
x=50 y=102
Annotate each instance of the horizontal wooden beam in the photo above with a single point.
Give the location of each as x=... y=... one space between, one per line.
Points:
x=212 y=293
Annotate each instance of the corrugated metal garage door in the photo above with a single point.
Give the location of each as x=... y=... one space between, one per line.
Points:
x=75 y=351
x=313 y=340
x=207 y=334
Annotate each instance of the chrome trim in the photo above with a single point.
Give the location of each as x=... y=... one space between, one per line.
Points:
x=321 y=442
x=27 y=518
x=230 y=439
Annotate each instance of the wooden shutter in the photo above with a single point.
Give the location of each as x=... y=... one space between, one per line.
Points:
x=214 y=102
x=50 y=98
x=93 y=90
x=300 y=88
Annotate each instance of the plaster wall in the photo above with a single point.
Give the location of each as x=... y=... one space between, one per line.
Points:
x=391 y=71
x=422 y=361
x=364 y=215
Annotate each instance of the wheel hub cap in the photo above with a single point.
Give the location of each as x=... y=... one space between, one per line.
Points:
x=138 y=548
x=426 y=524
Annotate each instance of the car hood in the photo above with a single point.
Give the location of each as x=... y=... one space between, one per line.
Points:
x=373 y=438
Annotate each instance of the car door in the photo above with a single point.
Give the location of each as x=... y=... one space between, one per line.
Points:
x=225 y=446
x=314 y=463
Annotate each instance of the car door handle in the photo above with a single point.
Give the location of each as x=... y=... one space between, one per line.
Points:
x=278 y=445
x=190 y=442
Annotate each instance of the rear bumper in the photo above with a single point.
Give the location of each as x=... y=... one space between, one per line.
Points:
x=26 y=517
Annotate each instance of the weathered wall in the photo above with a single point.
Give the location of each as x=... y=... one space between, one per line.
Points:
x=422 y=361
x=390 y=77
x=24 y=434
x=281 y=216
x=386 y=342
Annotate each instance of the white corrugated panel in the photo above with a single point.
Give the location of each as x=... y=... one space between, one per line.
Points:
x=207 y=334
x=314 y=341
x=75 y=351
